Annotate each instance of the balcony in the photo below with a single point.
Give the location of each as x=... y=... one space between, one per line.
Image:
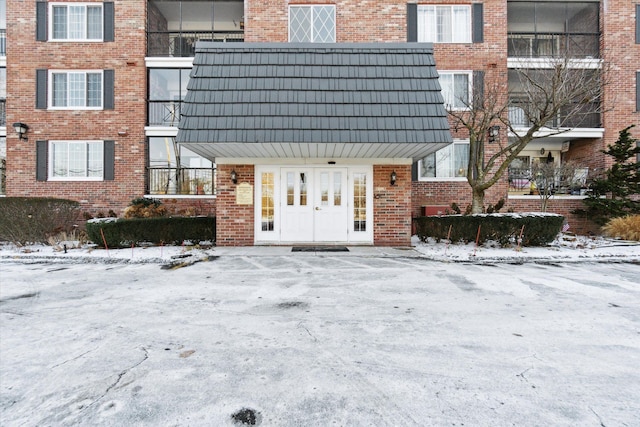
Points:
x=183 y=44
x=553 y=45
x=180 y=181
x=3 y=112
x=576 y=115
x=3 y=42
x=164 y=113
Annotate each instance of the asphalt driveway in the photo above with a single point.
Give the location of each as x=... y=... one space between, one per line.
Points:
x=288 y=340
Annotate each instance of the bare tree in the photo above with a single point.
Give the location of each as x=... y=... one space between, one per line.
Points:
x=555 y=96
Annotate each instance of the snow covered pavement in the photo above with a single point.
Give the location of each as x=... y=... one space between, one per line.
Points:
x=383 y=337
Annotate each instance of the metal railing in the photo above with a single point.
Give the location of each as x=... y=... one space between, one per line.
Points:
x=3 y=178
x=556 y=179
x=164 y=113
x=583 y=115
x=177 y=181
x=540 y=45
x=183 y=44
x=3 y=112
x=3 y=42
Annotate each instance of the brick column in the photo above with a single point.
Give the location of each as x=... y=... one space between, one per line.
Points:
x=392 y=206
x=234 y=223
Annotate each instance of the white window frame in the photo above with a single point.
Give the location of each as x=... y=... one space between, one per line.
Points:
x=86 y=29
x=313 y=7
x=51 y=160
x=462 y=177
x=454 y=73
x=428 y=24
x=50 y=86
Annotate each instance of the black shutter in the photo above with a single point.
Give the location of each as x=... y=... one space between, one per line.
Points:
x=478 y=23
x=478 y=89
x=108 y=87
x=41 y=21
x=41 y=89
x=41 y=160
x=414 y=171
x=412 y=22
x=638 y=23
x=108 y=16
x=109 y=156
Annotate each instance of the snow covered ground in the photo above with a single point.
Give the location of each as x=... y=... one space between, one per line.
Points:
x=434 y=335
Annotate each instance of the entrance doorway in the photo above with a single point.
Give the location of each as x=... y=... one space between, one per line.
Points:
x=313 y=204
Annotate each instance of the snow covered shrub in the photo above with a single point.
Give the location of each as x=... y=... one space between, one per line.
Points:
x=627 y=228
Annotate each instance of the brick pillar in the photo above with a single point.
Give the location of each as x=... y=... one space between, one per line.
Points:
x=234 y=223
x=392 y=206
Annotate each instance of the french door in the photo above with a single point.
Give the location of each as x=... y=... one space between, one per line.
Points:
x=313 y=205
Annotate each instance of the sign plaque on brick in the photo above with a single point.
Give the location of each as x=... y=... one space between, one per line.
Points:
x=244 y=194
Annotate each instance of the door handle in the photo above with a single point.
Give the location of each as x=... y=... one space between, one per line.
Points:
x=317 y=208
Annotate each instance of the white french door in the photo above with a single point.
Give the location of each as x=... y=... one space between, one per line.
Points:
x=308 y=204
x=313 y=205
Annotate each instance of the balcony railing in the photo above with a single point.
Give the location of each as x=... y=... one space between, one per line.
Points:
x=3 y=42
x=183 y=44
x=583 y=115
x=164 y=113
x=3 y=178
x=177 y=181
x=540 y=45
x=551 y=178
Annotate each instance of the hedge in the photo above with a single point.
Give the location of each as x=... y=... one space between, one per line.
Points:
x=539 y=228
x=34 y=219
x=162 y=230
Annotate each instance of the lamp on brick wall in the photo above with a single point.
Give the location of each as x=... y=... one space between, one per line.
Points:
x=494 y=133
x=234 y=176
x=21 y=130
x=393 y=178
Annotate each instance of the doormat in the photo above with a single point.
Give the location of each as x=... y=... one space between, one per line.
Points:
x=319 y=249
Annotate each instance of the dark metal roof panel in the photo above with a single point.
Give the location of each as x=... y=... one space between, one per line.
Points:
x=294 y=93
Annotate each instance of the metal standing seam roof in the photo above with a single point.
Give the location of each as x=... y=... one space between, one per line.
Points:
x=333 y=100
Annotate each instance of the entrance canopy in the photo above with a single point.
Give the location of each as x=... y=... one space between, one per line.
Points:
x=289 y=100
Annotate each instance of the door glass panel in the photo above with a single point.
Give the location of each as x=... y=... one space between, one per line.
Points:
x=290 y=189
x=267 y=201
x=359 y=202
x=337 y=189
x=324 y=188
x=303 y=189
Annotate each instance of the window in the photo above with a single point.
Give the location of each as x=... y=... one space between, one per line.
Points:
x=76 y=160
x=448 y=162
x=444 y=24
x=76 y=89
x=167 y=89
x=76 y=21
x=456 y=89
x=312 y=24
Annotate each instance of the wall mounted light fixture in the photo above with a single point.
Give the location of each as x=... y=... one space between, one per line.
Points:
x=494 y=133
x=21 y=130
x=393 y=178
x=234 y=176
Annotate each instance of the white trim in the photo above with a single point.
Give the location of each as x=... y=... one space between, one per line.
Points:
x=164 y=62
x=453 y=73
x=169 y=131
x=69 y=40
x=564 y=133
x=539 y=197
x=548 y=63
x=50 y=74
x=178 y=196
x=50 y=153
x=318 y=162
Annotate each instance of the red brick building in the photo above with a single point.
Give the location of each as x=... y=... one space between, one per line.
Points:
x=100 y=85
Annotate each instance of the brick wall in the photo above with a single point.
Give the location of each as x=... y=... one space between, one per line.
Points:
x=622 y=54
x=392 y=206
x=126 y=57
x=234 y=223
